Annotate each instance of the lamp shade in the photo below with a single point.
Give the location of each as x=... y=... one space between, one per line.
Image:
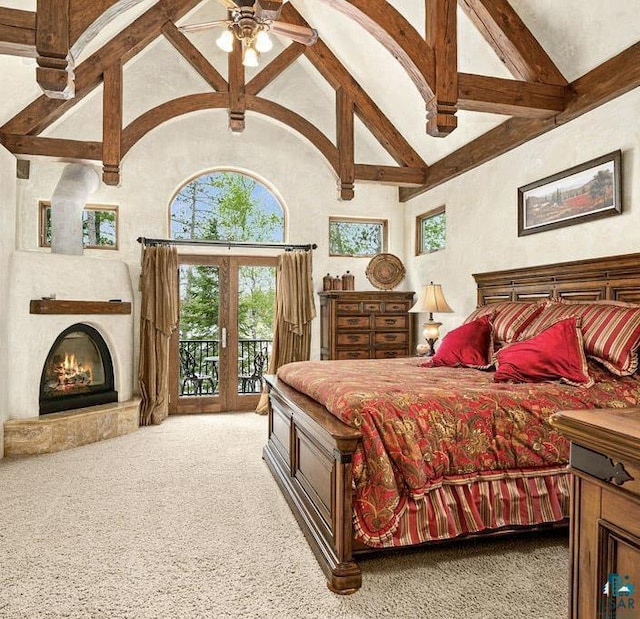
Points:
x=250 y=57
x=431 y=300
x=263 y=42
x=225 y=41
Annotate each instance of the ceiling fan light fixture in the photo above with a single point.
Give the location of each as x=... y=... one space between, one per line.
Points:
x=225 y=41
x=250 y=57
x=263 y=42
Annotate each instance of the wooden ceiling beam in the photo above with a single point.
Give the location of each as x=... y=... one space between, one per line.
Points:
x=55 y=70
x=89 y=18
x=17 y=32
x=607 y=81
x=56 y=148
x=55 y=35
x=480 y=93
x=441 y=29
x=237 y=93
x=271 y=71
x=194 y=57
x=42 y=112
x=345 y=142
x=160 y=114
x=297 y=123
x=514 y=43
x=390 y=175
x=387 y=25
x=84 y=21
x=112 y=125
x=153 y=118
x=334 y=72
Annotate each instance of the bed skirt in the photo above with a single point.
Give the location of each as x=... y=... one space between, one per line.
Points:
x=469 y=504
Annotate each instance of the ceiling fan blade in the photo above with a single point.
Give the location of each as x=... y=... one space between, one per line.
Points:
x=301 y=34
x=204 y=25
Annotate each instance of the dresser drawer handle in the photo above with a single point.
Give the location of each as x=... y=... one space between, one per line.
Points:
x=390 y=338
x=390 y=321
x=353 y=321
x=353 y=338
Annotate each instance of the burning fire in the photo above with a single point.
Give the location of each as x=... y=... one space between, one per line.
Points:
x=69 y=374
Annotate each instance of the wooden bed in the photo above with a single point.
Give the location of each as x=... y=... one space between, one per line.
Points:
x=309 y=451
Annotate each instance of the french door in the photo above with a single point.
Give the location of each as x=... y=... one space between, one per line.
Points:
x=222 y=345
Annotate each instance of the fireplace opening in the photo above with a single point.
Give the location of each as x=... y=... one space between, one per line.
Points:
x=78 y=371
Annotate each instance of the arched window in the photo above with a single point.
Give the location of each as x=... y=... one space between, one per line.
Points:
x=227 y=206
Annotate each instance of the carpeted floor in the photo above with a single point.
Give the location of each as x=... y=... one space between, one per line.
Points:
x=181 y=521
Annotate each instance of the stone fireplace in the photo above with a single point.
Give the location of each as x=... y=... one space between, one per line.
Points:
x=55 y=298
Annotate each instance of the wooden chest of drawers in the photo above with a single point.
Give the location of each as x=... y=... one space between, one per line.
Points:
x=605 y=511
x=366 y=325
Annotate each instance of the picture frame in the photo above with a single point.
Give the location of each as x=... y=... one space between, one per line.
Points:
x=585 y=192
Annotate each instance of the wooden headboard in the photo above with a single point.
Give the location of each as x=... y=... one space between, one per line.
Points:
x=615 y=278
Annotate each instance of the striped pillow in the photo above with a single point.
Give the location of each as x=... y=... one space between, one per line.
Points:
x=610 y=329
x=509 y=318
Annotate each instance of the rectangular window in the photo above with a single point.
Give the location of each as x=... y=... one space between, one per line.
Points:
x=357 y=237
x=431 y=231
x=99 y=226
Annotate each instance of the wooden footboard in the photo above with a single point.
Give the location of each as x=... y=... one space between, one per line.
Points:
x=309 y=453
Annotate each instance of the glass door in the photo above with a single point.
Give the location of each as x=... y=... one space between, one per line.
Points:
x=223 y=342
x=254 y=322
x=197 y=344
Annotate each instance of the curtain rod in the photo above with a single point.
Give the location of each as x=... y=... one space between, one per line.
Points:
x=227 y=244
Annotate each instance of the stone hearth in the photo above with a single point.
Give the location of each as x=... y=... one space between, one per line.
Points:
x=67 y=429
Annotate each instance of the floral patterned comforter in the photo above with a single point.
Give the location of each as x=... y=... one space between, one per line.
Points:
x=421 y=426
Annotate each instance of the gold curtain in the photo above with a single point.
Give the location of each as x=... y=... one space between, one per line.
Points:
x=158 y=319
x=295 y=309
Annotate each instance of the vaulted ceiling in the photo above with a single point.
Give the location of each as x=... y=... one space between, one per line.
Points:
x=441 y=85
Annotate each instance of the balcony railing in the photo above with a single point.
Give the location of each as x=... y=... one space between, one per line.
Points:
x=199 y=361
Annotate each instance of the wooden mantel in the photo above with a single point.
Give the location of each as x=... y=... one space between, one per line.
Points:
x=68 y=306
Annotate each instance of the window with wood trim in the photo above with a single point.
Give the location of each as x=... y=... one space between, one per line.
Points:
x=226 y=205
x=99 y=226
x=431 y=231
x=350 y=236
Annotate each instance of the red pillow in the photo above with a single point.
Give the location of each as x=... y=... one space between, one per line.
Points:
x=470 y=345
x=554 y=354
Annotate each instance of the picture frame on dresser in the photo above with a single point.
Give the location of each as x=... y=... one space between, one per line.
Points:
x=585 y=192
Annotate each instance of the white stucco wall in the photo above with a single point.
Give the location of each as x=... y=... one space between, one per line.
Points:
x=482 y=210
x=7 y=239
x=167 y=157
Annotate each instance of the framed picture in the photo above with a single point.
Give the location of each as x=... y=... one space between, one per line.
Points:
x=588 y=191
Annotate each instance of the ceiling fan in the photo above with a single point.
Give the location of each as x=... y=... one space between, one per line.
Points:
x=250 y=21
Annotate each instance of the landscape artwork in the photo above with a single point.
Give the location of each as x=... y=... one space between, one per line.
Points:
x=582 y=193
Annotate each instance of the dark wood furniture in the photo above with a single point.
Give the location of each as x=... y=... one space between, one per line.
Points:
x=605 y=509
x=309 y=451
x=365 y=324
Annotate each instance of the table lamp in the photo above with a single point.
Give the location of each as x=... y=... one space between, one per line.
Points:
x=431 y=300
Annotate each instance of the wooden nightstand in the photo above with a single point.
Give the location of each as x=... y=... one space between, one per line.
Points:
x=605 y=511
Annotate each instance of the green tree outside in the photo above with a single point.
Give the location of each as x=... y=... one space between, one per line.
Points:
x=433 y=233
x=355 y=238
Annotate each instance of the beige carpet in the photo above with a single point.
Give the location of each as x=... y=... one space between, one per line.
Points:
x=185 y=520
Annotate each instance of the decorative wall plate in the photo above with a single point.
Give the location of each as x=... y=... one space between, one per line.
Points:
x=385 y=271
